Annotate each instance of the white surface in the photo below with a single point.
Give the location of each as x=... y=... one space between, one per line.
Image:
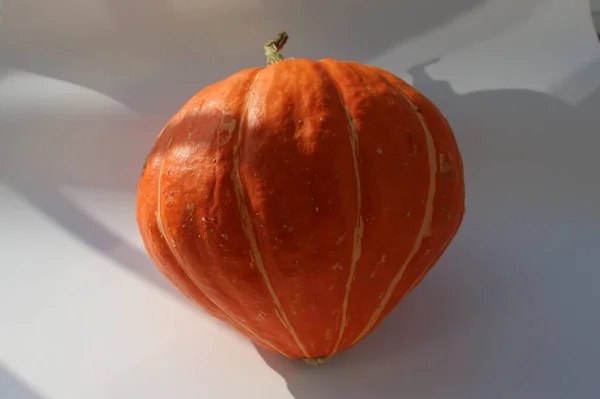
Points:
x=511 y=311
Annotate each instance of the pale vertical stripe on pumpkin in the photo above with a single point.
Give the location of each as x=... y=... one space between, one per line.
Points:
x=418 y=279
x=161 y=229
x=159 y=222
x=446 y=244
x=358 y=229
x=427 y=269
x=427 y=218
x=248 y=225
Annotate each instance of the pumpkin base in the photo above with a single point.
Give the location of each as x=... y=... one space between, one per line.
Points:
x=316 y=361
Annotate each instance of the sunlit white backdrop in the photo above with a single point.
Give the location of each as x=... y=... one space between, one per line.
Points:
x=510 y=311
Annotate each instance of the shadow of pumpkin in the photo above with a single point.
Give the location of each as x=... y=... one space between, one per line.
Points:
x=508 y=311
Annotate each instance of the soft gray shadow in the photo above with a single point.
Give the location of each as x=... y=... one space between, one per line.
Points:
x=595 y=13
x=41 y=153
x=162 y=56
x=495 y=319
x=510 y=311
x=11 y=387
x=581 y=85
x=47 y=199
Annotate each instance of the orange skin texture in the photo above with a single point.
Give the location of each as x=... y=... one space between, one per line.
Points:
x=302 y=201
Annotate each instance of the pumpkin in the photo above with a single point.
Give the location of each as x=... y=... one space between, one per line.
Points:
x=301 y=201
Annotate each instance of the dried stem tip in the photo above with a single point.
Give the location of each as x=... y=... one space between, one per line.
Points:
x=273 y=48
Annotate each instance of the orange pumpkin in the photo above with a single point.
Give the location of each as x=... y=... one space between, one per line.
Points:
x=300 y=202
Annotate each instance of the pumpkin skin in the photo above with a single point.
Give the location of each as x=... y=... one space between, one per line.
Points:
x=300 y=202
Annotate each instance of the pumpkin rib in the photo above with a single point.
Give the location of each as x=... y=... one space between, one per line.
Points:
x=428 y=106
x=160 y=225
x=425 y=229
x=147 y=227
x=359 y=228
x=443 y=248
x=248 y=226
x=426 y=270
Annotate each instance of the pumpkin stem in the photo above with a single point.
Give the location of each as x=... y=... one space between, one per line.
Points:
x=316 y=361
x=273 y=48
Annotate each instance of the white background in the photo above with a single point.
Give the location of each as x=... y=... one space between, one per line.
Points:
x=511 y=310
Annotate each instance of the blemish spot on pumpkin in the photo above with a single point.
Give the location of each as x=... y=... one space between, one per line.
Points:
x=340 y=240
x=445 y=168
x=145 y=164
x=204 y=220
x=331 y=288
x=337 y=266
x=225 y=236
x=261 y=315
x=412 y=139
x=229 y=128
x=379 y=150
x=381 y=261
